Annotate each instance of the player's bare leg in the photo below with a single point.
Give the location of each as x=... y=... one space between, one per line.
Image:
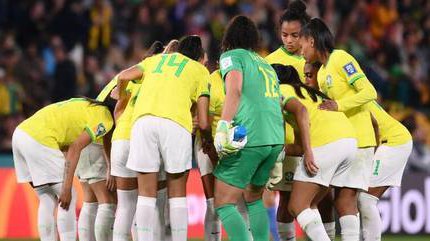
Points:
x=286 y=227
x=87 y=216
x=303 y=196
x=346 y=206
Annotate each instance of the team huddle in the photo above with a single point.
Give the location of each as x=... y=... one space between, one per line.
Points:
x=303 y=121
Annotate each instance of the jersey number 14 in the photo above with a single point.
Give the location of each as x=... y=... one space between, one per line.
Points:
x=171 y=62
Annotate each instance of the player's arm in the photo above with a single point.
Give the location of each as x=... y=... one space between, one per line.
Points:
x=132 y=73
x=295 y=149
x=120 y=105
x=293 y=106
x=72 y=158
x=107 y=144
x=233 y=86
x=203 y=119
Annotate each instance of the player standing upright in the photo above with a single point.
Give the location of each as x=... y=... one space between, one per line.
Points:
x=291 y=22
x=341 y=78
x=161 y=133
x=252 y=100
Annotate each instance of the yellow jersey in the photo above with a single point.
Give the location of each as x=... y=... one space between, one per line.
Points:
x=342 y=80
x=58 y=125
x=123 y=123
x=216 y=88
x=107 y=89
x=325 y=126
x=282 y=56
x=391 y=132
x=171 y=84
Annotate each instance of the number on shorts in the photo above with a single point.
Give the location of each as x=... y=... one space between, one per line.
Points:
x=180 y=65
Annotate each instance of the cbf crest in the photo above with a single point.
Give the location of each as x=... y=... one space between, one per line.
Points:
x=101 y=130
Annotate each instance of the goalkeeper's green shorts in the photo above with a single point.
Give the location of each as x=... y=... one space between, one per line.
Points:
x=251 y=165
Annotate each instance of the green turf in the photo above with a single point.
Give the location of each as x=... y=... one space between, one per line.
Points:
x=384 y=238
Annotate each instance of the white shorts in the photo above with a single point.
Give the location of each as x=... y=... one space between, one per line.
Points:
x=35 y=162
x=335 y=163
x=156 y=141
x=389 y=164
x=92 y=166
x=289 y=167
x=119 y=155
x=203 y=160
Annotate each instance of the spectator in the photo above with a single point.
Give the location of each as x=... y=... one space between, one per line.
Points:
x=99 y=34
x=64 y=86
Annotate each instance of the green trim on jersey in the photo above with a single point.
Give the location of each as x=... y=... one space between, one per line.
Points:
x=290 y=54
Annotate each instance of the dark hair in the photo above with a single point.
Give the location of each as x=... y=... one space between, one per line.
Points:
x=318 y=30
x=156 y=48
x=296 y=11
x=287 y=74
x=191 y=46
x=108 y=102
x=241 y=33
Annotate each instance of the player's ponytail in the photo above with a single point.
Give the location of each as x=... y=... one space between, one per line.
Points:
x=287 y=74
x=108 y=102
x=296 y=11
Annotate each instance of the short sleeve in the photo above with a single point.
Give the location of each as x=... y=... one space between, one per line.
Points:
x=215 y=91
x=350 y=68
x=99 y=128
x=202 y=88
x=287 y=93
x=230 y=60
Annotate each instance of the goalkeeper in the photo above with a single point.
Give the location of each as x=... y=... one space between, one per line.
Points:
x=253 y=101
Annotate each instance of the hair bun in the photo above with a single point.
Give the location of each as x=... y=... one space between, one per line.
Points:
x=298 y=7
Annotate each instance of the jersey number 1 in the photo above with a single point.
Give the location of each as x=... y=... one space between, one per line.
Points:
x=179 y=65
x=270 y=83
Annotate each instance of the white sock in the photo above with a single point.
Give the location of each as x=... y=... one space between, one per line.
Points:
x=311 y=224
x=87 y=218
x=330 y=229
x=212 y=223
x=371 y=224
x=105 y=218
x=179 y=218
x=159 y=228
x=45 y=216
x=145 y=217
x=350 y=228
x=66 y=220
x=241 y=207
x=287 y=231
x=134 y=228
x=126 y=208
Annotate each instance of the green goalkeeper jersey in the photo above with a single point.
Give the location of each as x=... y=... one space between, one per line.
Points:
x=259 y=109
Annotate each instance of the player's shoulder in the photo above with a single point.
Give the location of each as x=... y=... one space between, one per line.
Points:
x=341 y=55
x=216 y=74
x=272 y=57
x=235 y=52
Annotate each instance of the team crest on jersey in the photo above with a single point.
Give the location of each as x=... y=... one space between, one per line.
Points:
x=329 y=81
x=101 y=130
x=349 y=69
x=226 y=62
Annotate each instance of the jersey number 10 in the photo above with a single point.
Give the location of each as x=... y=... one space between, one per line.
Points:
x=271 y=82
x=179 y=65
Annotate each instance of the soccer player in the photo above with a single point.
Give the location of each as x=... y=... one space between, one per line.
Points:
x=341 y=78
x=252 y=100
x=37 y=143
x=392 y=153
x=125 y=178
x=161 y=133
x=291 y=22
x=333 y=145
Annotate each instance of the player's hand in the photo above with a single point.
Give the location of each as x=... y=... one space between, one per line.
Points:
x=195 y=124
x=275 y=175
x=328 y=105
x=110 y=181
x=222 y=137
x=65 y=198
x=310 y=164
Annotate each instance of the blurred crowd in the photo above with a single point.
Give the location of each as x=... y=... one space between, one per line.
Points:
x=51 y=50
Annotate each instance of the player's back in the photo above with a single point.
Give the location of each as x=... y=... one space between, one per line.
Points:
x=59 y=124
x=172 y=82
